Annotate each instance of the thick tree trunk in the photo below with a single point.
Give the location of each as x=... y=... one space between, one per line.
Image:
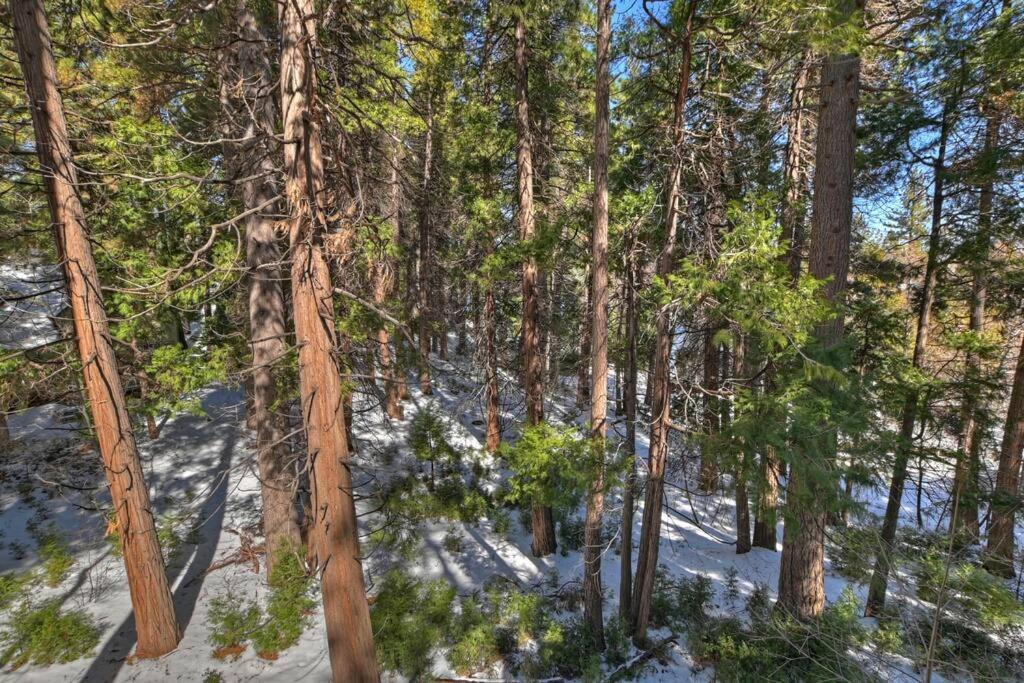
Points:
x=334 y=538
x=533 y=376
x=802 y=571
x=650 y=535
x=1006 y=497
x=592 y=597
x=249 y=121
x=904 y=446
x=153 y=608
x=423 y=272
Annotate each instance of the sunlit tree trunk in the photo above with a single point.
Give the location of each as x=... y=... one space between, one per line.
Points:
x=592 y=597
x=155 y=623
x=424 y=266
x=1006 y=497
x=334 y=538
x=650 y=535
x=384 y=285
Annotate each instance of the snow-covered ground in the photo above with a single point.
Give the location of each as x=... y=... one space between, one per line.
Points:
x=200 y=470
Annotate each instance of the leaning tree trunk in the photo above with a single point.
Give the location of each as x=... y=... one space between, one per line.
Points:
x=592 y=598
x=533 y=376
x=153 y=608
x=793 y=235
x=1006 y=497
x=904 y=446
x=249 y=120
x=802 y=569
x=334 y=539
x=650 y=535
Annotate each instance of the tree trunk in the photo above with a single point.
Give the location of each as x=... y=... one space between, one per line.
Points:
x=742 y=372
x=708 y=480
x=592 y=597
x=384 y=285
x=153 y=608
x=968 y=465
x=904 y=445
x=423 y=272
x=533 y=377
x=249 y=120
x=493 y=399
x=802 y=571
x=630 y=401
x=582 y=366
x=650 y=536
x=334 y=538
x=1006 y=497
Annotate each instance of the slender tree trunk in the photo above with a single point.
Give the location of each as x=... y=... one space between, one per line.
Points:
x=384 y=284
x=708 y=480
x=792 y=234
x=743 y=372
x=153 y=608
x=543 y=520
x=968 y=465
x=592 y=597
x=904 y=446
x=334 y=538
x=5 y=432
x=629 y=398
x=423 y=275
x=249 y=120
x=650 y=536
x=1006 y=497
x=802 y=569
x=582 y=366
x=493 y=399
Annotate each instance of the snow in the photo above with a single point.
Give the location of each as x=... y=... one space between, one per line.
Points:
x=202 y=466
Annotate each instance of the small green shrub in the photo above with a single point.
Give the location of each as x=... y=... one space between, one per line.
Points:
x=732 y=583
x=502 y=522
x=12 y=587
x=617 y=642
x=428 y=439
x=568 y=650
x=47 y=635
x=571 y=532
x=452 y=541
x=693 y=599
x=57 y=561
x=548 y=467
x=289 y=607
x=476 y=650
x=680 y=604
x=759 y=603
x=232 y=622
x=853 y=552
x=978 y=594
x=410 y=619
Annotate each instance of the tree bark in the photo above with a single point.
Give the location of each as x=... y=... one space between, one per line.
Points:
x=802 y=571
x=249 y=120
x=153 y=608
x=334 y=538
x=533 y=376
x=423 y=271
x=999 y=554
x=384 y=285
x=650 y=535
x=630 y=401
x=493 y=399
x=905 y=443
x=742 y=372
x=592 y=596
x=582 y=366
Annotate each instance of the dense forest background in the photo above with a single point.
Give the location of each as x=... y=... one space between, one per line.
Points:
x=539 y=340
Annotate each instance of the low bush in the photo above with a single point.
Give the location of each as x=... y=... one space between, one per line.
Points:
x=232 y=623
x=977 y=594
x=56 y=558
x=289 y=606
x=410 y=619
x=47 y=635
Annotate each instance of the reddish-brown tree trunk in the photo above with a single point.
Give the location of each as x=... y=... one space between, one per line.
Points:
x=493 y=399
x=1006 y=497
x=249 y=121
x=904 y=446
x=802 y=570
x=593 y=599
x=384 y=285
x=583 y=365
x=334 y=538
x=742 y=374
x=423 y=271
x=155 y=622
x=630 y=401
x=650 y=535
x=533 y=376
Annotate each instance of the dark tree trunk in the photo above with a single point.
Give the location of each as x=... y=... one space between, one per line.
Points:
x=423 y=271
x=153 y=608
x=629 y=398
x=904 y=446
x=802 y=570
x=650 y=535
x=493 y=399
x=334 y=538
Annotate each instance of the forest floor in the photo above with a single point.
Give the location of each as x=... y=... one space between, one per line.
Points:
x=200 y=470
